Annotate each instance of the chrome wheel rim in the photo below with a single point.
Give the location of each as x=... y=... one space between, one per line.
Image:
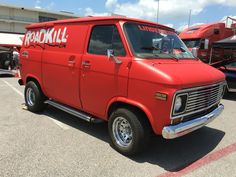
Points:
x=30 y=97
x=122 y=132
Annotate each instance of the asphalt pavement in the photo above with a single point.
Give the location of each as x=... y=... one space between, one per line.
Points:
x=54 y=143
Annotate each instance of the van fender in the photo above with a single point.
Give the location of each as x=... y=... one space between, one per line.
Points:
x=132 y=103
x=37 y=79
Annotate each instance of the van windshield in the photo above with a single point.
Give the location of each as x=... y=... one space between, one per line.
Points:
x=149 y=41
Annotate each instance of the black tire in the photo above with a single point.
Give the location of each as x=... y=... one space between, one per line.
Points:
x=140 y=131
x=7 y=64
x=34 y=97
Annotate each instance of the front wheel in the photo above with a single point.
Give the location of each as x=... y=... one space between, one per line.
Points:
x=128 y=132
x=34 y=97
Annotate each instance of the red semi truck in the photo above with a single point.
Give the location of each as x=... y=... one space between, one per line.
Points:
x=135 y=74
x=200 y=38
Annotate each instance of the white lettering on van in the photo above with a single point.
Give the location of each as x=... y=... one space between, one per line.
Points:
x=27 y=37
x=50 y=36
x=64 y=36
x=54 y=37
x=58 y=36
x=32 y=37
x=36 y=38
x=42 y=33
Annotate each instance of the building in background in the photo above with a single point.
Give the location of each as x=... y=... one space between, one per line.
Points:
x=13 y=19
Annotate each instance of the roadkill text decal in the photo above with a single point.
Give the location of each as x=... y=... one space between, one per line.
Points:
x=51 y=36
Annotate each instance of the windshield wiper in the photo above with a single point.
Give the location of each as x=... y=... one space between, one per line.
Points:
x=150 y=48
x=157 y=55
x=172 y=56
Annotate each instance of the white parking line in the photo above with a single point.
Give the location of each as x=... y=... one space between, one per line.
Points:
x=13 y=88
x=60 y=124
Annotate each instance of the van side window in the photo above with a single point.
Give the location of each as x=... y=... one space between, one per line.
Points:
x=117 y=44
x=103 y=38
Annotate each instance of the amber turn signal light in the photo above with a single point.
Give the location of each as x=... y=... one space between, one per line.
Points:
x=176 y=121
x=161 y=96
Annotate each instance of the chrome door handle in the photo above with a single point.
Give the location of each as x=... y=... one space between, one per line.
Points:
x=71 y=61
x=86 y=63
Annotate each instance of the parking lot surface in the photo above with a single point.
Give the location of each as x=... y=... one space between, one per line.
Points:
x=54 y=143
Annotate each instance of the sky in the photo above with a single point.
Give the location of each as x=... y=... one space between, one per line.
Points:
x=173 y=13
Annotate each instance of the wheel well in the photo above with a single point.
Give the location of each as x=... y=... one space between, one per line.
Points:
x=32 y=79
x=135 y=109
x=28 y=79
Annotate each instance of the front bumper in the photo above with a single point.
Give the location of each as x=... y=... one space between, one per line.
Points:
x=174 y=131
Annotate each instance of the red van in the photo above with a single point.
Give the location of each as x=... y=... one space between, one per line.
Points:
x=135 y=74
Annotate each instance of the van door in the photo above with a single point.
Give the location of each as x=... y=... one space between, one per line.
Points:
x=60 y=66
x=101 y=78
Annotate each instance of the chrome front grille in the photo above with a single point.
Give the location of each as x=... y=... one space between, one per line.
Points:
x=204 y=98
x=201 y=98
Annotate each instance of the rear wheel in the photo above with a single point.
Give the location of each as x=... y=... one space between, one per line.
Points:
x=34 y=97
x=129 y=133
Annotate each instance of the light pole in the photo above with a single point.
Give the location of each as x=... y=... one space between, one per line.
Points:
x=189 y=17
x=158 y=7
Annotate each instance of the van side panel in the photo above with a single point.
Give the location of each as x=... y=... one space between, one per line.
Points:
x=31 y=57
x=61 y=63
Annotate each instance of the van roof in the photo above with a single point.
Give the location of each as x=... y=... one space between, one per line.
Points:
x=89 y=19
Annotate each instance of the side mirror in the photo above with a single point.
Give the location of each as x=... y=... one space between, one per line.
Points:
x=194 y=52
x=110 y=55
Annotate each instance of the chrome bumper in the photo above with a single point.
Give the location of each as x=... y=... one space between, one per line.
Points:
x=174 y=131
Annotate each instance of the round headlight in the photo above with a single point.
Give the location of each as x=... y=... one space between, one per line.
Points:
x=178 y=104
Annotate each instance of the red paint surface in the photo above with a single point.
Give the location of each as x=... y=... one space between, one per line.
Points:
x=203 y=161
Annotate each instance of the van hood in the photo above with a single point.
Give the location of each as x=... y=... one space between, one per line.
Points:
x=184 y=73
